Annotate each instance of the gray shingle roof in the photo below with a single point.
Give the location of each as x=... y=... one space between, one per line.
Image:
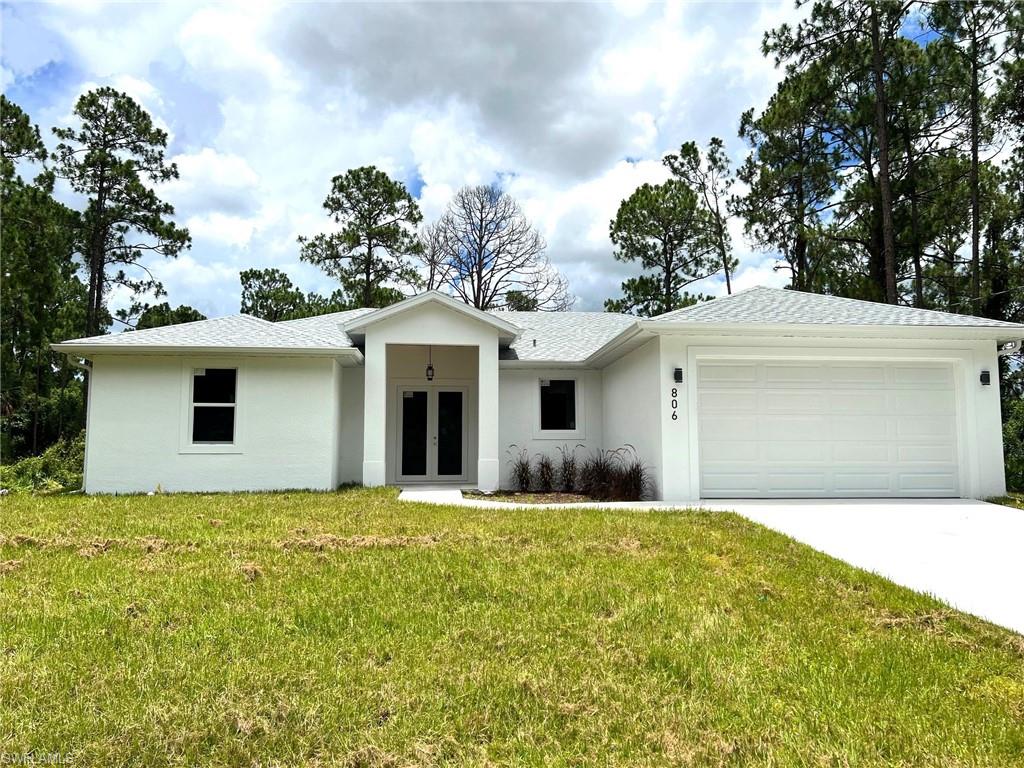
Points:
x=241 y=331
x=328 y=326
x=777 y=305
x=568 y=337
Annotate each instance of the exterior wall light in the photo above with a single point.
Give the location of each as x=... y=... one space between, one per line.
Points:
x=678 y=375
x=986 y=378
x=430 y=364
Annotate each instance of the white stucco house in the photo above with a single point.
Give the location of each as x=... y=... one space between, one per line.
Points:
x=765 y=393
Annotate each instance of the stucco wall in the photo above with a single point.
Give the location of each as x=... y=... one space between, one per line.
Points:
x=351 y=447
x=519 y=416
x=285 y=426
x=633 y=389
x=980 y=431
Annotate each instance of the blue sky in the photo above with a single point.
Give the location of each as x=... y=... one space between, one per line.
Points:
x=570 y=106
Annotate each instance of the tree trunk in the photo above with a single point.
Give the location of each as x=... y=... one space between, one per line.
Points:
x=666 y=294
x=368 y=274
x=915 y=224
x=974 y=184
x=884 y=185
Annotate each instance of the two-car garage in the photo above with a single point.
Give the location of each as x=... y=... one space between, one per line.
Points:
x=811 y=428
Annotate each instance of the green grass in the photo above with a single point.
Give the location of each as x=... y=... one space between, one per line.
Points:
x=348 y=629
x=1010 y=500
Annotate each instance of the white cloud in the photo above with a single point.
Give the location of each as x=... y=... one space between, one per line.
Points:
x=268 y=101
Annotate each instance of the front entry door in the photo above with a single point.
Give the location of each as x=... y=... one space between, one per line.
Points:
x=432 y=434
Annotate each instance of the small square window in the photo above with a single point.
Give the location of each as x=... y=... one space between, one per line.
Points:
x=213 y=405
x=558 y=404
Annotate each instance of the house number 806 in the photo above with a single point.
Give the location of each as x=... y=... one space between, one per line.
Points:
x=675 y=404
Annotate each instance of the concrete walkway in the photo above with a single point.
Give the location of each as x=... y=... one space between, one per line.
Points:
x=966 y=553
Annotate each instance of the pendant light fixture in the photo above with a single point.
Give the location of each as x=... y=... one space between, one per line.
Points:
x=430 y=364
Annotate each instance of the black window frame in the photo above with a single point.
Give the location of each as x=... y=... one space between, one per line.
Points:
x=573 y=418
x=221 y=404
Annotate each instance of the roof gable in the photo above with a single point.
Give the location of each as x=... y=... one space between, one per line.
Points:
x=507 y=331
x=789 y=307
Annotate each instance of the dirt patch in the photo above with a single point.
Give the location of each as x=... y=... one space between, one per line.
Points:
x=96 y=547
x=251 y=571
x=328 y=541
x=933 y=621
x=216 y=523
x=20 y=540
x=7 y=566
x=153 y=544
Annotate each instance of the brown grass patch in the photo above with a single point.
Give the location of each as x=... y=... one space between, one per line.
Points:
x=7 y=566
x=96 y=547
x=153 y=544
x=251 y=571
x=328 y=541
x=20 y=540
x=370 y=757
x=934 y=621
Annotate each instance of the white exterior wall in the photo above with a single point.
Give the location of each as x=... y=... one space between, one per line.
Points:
x=980 y=427
x=519 y=416
x=634 y=387
x=350 y=469
x=285 y=426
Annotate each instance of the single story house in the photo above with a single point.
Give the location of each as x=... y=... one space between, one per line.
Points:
x=764 y=393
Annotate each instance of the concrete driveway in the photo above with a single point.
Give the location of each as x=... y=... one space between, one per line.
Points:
x=968 y=553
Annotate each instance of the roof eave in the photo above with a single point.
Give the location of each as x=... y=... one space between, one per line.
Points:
x=89 y=350
x=837 y=330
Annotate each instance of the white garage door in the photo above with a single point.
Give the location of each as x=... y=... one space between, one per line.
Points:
x=788 y=428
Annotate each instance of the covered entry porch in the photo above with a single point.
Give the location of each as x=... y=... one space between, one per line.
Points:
x=430 y=405
x=432 y=414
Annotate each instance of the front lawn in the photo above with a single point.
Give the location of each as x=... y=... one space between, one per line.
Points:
x=348 y=629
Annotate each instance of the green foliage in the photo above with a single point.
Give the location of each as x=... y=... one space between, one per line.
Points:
x=112 y=159
x=665 y=229
x=378 y=217
x=42 y=300
x=712 y=178
x=270 y=294
x=58 y=468
x=520 y=301
x=162 y=314
x=1013 y=442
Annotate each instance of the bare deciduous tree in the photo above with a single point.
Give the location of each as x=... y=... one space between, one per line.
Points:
x=492 y=258
x=432 y=257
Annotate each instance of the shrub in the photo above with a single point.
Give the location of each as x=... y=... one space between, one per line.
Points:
x=58 y=468
x=545 y=473
x=522 y=472
x=1013 y=443
x=631 y=480
x=568 y=467
x=595 y=475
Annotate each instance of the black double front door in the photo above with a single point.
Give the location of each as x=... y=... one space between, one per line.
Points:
x=431 y=433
